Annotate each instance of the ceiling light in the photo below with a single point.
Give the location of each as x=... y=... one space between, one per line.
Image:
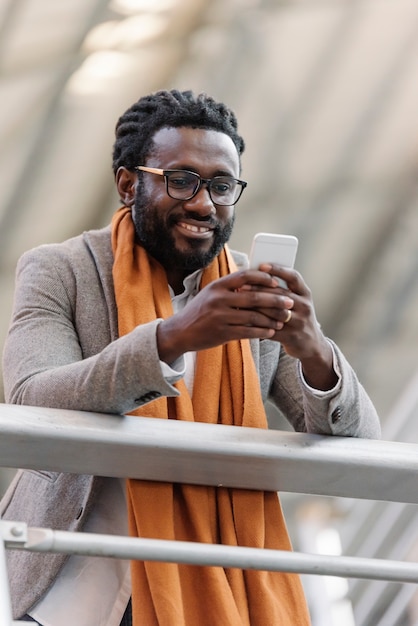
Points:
x=97 y=70
x=131 y=7
x=128 y=34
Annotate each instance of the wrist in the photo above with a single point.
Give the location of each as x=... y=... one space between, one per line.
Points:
x=167 y=346
x=318 y=368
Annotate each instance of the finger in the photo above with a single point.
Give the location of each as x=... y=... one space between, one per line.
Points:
x=283 y=315
x=243 y=278
x=256 y=320
x=293 y=279
x=259 y=299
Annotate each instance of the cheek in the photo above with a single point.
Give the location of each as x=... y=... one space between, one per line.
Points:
x=153 y=195
x=152 y=209
x=226 y=214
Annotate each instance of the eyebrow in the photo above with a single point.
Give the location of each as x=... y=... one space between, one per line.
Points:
x=196 y=171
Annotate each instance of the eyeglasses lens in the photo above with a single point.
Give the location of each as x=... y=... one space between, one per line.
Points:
x=182 y=184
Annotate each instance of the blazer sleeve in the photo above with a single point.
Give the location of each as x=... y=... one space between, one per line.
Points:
x=59 y=351
x=345 y=410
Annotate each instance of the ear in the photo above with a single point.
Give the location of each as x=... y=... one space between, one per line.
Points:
x=126 y=184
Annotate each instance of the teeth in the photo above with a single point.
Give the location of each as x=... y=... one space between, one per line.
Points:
x=194 y=229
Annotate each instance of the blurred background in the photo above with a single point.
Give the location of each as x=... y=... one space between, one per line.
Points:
x=326 y=94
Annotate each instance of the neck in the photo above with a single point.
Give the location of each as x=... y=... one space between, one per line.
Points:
x=175 y=279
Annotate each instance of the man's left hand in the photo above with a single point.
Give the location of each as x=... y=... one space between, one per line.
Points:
x=301 y=335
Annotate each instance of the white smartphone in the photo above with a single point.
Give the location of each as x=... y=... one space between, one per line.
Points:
x=271 y=248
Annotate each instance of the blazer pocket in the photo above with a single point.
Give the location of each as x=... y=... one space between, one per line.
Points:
x=50 y=476
x=28 y=489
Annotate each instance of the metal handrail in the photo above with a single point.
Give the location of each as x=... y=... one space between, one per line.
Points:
x=199 y=453
x=207 y=454
x=17 y=535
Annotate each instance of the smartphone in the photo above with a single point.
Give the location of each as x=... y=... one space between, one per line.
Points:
x=271 y=248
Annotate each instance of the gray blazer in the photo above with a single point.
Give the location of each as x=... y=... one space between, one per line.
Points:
x=63 y=351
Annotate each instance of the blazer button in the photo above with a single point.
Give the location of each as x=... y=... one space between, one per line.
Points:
x=147 y=397
x=336 y=414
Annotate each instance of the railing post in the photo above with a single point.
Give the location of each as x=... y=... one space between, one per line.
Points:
x=5 y=606
x=12 y=533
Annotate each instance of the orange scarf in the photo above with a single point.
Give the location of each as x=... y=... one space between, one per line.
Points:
x=168 y=594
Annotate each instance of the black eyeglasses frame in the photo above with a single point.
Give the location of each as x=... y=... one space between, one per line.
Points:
x=200 y=181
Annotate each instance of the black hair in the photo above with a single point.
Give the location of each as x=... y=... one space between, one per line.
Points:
x=136 y=128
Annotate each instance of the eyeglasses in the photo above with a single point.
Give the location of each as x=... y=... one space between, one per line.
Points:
x=184 y=185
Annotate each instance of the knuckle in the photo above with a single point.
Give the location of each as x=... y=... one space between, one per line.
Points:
x=255 y=298
x=254 y=318
x=241 y=274
x=306 y=308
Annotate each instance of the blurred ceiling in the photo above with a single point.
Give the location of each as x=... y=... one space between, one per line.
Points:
x=326 y=92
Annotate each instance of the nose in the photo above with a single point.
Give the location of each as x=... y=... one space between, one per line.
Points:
x=200 y=203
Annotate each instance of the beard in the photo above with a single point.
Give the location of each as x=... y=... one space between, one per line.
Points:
x=153 y=232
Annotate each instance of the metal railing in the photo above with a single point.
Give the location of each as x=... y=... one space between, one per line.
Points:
x=198 y=453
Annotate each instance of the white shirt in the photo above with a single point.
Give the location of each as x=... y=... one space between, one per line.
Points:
x=92 y=591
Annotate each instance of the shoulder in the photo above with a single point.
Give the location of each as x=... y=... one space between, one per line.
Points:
x=90 y=247
x=73 y=247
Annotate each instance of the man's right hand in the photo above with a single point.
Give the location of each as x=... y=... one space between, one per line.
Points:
x=227 y=309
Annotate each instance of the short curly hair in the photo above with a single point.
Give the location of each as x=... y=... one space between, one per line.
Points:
x=136 y=128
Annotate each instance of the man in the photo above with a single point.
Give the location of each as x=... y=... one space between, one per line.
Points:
x=155 y=315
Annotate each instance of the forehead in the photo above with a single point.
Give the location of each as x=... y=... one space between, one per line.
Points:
x=173 y=147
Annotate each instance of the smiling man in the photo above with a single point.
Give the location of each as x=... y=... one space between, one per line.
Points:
x=155 y=316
